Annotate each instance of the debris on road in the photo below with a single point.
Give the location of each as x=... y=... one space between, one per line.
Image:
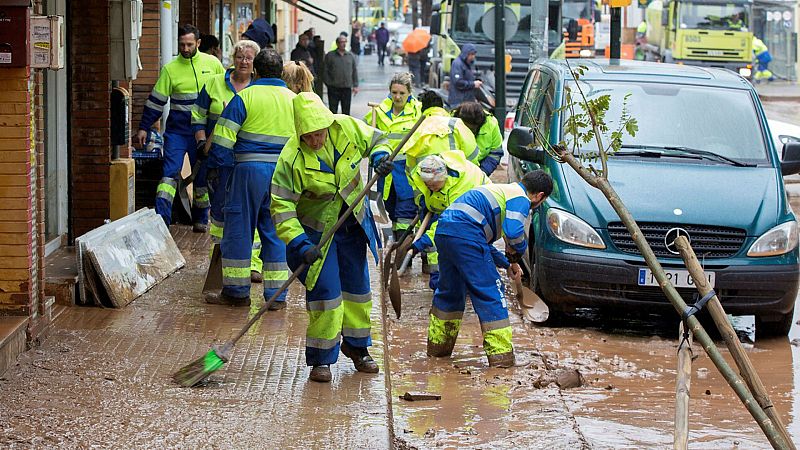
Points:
x=569 y=378
x=419 y=396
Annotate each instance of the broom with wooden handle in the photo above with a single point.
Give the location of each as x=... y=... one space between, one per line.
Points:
x=201 y=368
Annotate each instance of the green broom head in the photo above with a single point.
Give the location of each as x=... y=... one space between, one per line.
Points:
x=201 y=368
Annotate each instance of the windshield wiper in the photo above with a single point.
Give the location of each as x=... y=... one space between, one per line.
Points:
x=709 y=155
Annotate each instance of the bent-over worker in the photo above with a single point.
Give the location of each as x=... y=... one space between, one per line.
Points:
x=464 y=237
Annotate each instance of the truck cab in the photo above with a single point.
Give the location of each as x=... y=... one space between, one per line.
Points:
x=711 y=33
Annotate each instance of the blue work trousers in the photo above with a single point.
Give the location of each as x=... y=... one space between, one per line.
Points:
x=246 y=210
x=339 y=305
x=466 y=267
x=400 y=203
x=175 y=148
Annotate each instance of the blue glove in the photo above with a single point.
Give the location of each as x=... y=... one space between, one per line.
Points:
x=488 y=165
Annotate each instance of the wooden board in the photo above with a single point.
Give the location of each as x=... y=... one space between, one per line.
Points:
x=128 y=257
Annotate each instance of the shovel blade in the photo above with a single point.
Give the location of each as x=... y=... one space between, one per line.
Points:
x=394 y=292
x=213 y=281
x=533 y=307
x=387 y=266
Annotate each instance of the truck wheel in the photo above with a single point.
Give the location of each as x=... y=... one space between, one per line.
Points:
x=778 y=328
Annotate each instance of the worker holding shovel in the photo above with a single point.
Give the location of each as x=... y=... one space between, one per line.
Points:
x=213 y=97
x=464 y=237
x=439 y=133
x=316 y=179
x=396 y=115
x=439 y=180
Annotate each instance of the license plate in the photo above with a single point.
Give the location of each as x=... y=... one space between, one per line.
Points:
x=678 y=278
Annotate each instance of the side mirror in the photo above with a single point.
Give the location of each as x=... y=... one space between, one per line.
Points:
x=521 y=144
x=785 y=138
x=791 y=158
x=436 y=23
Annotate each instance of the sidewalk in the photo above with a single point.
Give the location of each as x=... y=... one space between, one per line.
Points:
x=778 y=91
x=102 y=378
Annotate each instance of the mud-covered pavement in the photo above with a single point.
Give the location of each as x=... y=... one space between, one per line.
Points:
x=102 y=378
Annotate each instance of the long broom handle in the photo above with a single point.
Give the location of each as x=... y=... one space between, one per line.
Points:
x=325 y=238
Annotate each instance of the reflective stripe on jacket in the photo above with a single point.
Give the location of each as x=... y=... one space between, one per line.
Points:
x=257 y=123
x=308 y=195
x=217 y=92
x=179 y=82
x=487 y=213
x=396 y=125
x=439 y=133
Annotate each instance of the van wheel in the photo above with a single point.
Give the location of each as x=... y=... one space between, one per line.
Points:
x=778 y=328
x=556 y=318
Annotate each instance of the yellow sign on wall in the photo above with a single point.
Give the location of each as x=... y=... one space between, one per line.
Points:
x=617 y=3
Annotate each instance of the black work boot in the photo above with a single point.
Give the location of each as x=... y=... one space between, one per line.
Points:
x=361 y=359
x=214 y=298
x=320 y=374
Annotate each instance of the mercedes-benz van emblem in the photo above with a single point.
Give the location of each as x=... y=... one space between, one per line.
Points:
x=672 y=234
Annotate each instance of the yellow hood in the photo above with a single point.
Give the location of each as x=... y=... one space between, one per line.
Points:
x=310 y=114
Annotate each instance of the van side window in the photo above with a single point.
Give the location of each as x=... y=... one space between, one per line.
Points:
x=544 y=113
x=530 y=99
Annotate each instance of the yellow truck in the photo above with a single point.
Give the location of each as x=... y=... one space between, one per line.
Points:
x=712 y=33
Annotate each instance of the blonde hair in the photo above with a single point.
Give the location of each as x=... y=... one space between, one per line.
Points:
x=297 y=77
x=243 y=45
x=402 y=78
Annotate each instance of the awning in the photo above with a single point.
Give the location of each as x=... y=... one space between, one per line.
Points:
x=315 y=11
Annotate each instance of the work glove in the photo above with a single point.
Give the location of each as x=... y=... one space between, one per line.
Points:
x=513 y=258
x=200 y=150
x=212 y=178
x=383 y=166
x=488 y=165
x=311 y=255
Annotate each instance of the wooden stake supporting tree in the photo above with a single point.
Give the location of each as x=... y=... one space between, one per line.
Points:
x=682 y=386
x=585 y=123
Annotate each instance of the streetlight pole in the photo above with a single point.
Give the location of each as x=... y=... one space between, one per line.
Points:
x=500 y=61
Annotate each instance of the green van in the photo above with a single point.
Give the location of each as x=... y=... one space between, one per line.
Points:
x=702 y=165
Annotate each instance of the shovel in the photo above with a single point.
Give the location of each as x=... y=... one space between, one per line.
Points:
x=387 y=260
x=376 y=195
x=394 y=283
x=214 y=275
x=532 y=306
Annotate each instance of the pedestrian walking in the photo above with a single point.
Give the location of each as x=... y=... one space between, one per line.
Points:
x=180 y=82
x=487 y=134
x=439 y=133
x=439 y=180
x=302 y=52
x=396 y=115
x=355 y=44
x=210 y=44
x=297 y=77
x=464 y=236
x=214 y=96
x=381 y=39
x=254 y=126
x=340 y=76
x=318 y=176
x=462 y=77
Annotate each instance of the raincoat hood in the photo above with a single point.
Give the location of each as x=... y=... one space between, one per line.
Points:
x=310 y=114
x=466 y=50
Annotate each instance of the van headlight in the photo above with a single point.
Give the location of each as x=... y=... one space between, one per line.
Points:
x=745 y=72
x=585 y=53
x=777 y=241
x=572 y=230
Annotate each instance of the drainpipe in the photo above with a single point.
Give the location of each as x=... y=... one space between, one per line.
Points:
x=167 y=40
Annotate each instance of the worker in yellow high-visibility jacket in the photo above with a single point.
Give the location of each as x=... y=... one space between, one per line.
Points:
x=317 y=178
x=254 y=127
x=180 y=82
x=214 y=96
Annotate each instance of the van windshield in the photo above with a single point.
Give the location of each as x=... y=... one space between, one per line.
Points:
x=718 y=120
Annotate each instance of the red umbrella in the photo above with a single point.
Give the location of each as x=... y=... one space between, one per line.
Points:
x=416 y=40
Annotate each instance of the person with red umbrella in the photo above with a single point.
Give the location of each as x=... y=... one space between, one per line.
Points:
x=416 y=47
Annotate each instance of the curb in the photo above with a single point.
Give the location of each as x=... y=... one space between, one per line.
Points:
x=779 y=98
